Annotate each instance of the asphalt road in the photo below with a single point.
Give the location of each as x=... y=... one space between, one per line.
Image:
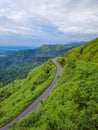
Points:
x=36 y=103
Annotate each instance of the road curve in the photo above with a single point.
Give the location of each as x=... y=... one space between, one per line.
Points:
x=36 y=103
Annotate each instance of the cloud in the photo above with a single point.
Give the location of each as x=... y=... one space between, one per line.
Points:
x=46 y=17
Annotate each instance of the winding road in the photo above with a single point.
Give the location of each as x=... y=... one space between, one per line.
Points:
x=36 y=103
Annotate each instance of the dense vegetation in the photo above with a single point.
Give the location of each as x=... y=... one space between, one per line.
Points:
x=87 y=52
x=20 y=93
x=73 y=104
x=18 y=65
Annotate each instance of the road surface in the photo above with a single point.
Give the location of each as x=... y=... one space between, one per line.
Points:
x=36 y=103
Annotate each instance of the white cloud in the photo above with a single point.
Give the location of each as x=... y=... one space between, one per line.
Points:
x=69 y=16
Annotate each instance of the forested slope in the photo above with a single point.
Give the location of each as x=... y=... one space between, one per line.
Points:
x=18 y=65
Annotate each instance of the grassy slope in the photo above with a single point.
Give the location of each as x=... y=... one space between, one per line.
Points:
x=73 y=104
x=87 y=52
x=17 y=95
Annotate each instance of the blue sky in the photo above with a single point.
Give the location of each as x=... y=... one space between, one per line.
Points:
x=35 y=22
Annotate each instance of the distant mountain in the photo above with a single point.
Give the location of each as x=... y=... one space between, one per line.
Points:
x=7 y=50
x=17 y=65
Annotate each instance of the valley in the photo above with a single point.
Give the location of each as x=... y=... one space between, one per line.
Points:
x=7 y=50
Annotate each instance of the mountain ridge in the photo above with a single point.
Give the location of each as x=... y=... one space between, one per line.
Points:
x=17 y=65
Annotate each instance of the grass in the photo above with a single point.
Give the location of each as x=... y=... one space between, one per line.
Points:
x=73 y=104
x=87 y=52
x=20 y=93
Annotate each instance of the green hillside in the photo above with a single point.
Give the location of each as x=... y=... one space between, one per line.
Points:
x=73 y=103
x=17 y=65
x=87 y=52
x=20 y=93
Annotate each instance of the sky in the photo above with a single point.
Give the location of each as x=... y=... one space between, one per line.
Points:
x=36 y=22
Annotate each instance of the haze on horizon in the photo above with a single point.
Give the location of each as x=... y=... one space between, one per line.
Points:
x=36 y=22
